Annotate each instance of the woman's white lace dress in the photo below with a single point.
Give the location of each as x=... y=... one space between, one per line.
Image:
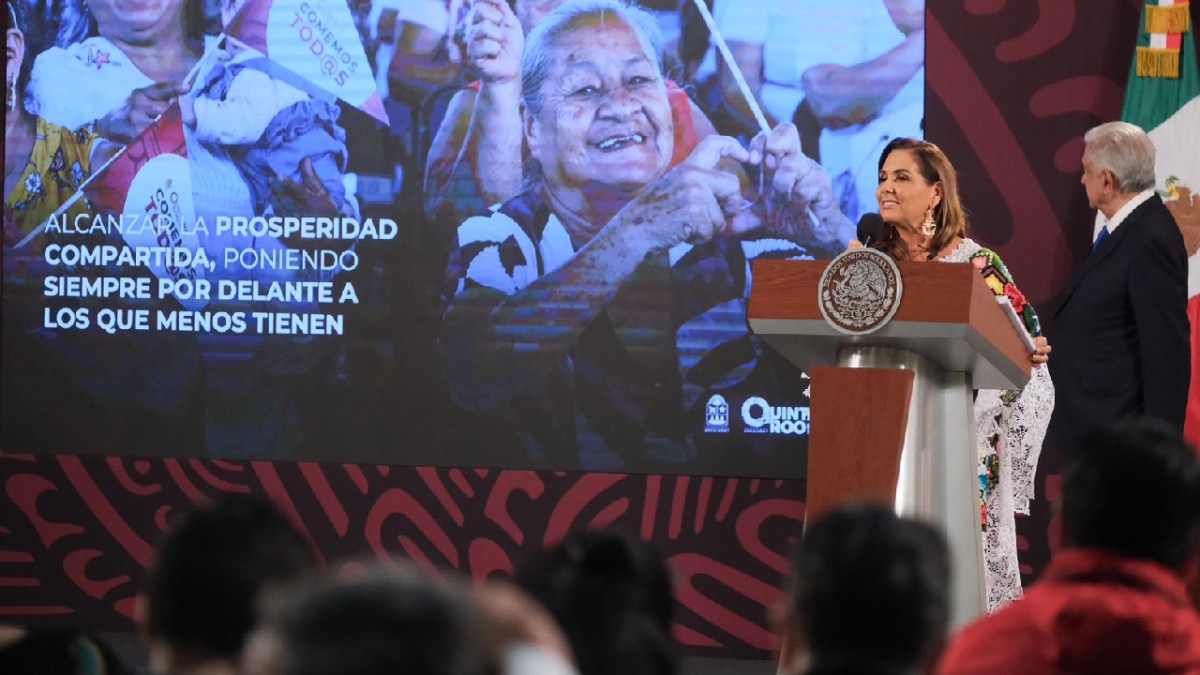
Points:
x=1009 y=429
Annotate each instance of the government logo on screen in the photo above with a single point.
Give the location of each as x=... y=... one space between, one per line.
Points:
x=760 y=417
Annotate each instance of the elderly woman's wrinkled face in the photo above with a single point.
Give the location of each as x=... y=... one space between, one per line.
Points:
x=605 y=118
x=133 y=20
x=903 y=194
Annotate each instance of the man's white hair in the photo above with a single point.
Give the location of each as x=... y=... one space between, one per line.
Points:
x=1125 y=150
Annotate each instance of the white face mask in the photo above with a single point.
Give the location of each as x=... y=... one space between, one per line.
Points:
x=527 y=658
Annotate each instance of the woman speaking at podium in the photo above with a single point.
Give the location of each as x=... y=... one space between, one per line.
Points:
x=923 y=221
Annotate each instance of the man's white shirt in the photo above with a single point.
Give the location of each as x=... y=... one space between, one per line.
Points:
x=1121 y=214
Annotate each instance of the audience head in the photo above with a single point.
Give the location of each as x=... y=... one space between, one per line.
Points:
x=611 y=594
x=870 y=588
x=1118 y=161
x=930 y=187
x=1134 y=489
x=201 y=592
x=383 y=622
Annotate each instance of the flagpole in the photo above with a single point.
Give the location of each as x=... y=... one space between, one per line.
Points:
x=190 y=78
x=744 y=87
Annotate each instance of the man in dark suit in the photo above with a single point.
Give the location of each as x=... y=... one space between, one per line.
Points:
x=1121 y=334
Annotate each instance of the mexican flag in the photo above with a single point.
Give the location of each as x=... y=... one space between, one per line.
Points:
x=1163 y=97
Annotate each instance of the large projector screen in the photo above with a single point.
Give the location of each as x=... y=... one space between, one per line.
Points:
x=360 y=232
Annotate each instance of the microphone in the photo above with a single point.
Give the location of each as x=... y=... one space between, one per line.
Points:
x=870 y=228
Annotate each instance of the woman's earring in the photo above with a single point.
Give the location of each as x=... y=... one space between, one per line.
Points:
x=929 y=227
x=10 y=98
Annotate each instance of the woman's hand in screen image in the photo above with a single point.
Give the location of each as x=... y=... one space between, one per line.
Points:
x=139 y=111
x=694 y=202
x=796 y=198
x=308 y=196
x=495 y=42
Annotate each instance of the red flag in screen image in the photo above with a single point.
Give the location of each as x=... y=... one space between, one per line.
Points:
x=318 y=41
x=149 y=187
x=107 y=192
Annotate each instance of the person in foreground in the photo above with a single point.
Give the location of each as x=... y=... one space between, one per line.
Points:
x=199 y=599
x=568 y=298
x=66 y=650
x=925 y=221
x=1113 y=600
x=397 y=620
x=1122 y=328
x=870 y=595
x=611 y=593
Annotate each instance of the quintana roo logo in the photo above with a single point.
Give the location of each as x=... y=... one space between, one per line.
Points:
x=860 y=291
x=716 y=415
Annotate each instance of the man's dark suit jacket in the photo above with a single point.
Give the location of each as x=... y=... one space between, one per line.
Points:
x=1120 y=336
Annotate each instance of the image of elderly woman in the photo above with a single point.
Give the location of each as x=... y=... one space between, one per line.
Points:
x=925 y=221
x=475 y=159
x=572 y=300
x=126 y=74
x=129 y=73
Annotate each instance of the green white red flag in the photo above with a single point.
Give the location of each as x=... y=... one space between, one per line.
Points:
x=1163 y=97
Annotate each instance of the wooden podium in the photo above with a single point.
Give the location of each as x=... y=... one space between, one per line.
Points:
x=892 y=411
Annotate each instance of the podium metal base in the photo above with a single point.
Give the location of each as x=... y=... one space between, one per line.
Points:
x=939 y=477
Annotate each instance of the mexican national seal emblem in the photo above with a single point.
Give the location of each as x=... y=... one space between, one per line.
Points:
x=860 y=291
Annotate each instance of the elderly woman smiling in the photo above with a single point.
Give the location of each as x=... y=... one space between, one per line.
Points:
x=602 y=307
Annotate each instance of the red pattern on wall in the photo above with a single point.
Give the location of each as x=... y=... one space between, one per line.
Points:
x=76 y=532
x=1012 y=87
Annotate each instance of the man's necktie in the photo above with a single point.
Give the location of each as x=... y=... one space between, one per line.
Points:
x=1100 y=237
